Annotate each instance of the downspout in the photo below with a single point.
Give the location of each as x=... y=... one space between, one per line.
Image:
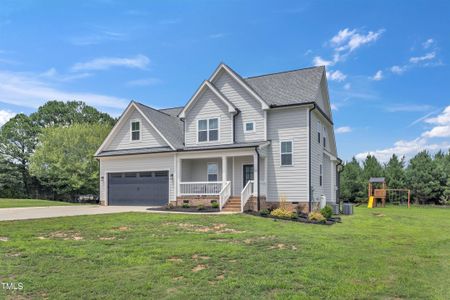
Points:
x=258 y=203
x=234 y=125
x=338 y=181
x=309 y=147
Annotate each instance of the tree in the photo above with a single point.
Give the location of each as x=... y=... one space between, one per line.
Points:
x=352 y=184
x=395 y=172
x=442 y=162
x=18 y=138
x=11 y=183
x=59 y=113
x=64 y=160
x=423 y=178
x=372 y=168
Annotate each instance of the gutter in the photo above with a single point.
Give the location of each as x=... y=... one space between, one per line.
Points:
x=309 y=147
x=338 y=179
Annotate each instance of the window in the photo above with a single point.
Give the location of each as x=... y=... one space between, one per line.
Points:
x=320 y=175
x=286 y=153
x=319 y=128
x=324 y=136
x=249 y=127
x=208 y=130
x=213 y=170
x=135 y=130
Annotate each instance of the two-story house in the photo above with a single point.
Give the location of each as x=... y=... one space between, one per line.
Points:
x=242 y=142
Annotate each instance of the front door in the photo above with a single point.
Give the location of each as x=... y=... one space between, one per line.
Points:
x=247 y=174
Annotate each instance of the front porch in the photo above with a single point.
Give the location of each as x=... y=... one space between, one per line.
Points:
x=230 y=179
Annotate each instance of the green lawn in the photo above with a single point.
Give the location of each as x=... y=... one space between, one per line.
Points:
x=381 y=253
x=8 y=203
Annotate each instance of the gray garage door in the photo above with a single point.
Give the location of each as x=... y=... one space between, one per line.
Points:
x=138 y=188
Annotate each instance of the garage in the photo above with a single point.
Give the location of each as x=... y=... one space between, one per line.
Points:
x=138 y=188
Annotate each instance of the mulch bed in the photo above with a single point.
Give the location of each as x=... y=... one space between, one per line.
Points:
x=302 y=218
x=180 y=209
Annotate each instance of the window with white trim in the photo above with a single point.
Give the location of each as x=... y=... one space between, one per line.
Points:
x=320 y=175
x=249 y=127
x=135 y=130
x=325 y=135
x=319 y=128
x=208 y=130
x=286 y=153
x=213 y=170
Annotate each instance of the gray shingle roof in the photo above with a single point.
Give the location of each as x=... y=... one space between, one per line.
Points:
x=291 y=87
x=173 y=111
x=169 y=126
x=134 y=151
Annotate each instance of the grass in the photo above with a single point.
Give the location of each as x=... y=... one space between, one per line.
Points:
x=9 y=203
x=387 y=253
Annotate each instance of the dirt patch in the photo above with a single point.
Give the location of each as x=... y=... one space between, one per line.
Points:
x=278 y=246
x=107 y=238
x=220 y=277
x=74 y=236
x=377 y=214
x=13 y=254
x=178 y=278
x=199 y=268
x=195 y=256
x=121 y=228
x=175 y=259
x=4 y=239
x=214 y=228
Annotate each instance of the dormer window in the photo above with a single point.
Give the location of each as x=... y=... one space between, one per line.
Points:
x=135 y=130
x=208 y=130
x=249 y=127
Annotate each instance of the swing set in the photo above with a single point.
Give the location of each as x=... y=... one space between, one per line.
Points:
x=377 y=190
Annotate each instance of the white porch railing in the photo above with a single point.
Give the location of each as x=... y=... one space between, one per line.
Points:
x=246 y=193
x=225 y=194
x=201 y=188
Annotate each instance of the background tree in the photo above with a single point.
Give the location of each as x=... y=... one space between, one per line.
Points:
x=422 y=178
x=394 y=172
x=18 y=138
x=442 y=162
x=64 y=160
x=11 y=183
x=59 y=113
x=352 y=185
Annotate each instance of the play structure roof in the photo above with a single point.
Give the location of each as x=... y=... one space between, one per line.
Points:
x=376 y=180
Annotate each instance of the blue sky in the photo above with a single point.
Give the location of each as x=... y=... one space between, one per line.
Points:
x=387 y=61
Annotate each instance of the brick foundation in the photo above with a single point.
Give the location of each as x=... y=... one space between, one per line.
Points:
x=196 y=200
x=252 y=205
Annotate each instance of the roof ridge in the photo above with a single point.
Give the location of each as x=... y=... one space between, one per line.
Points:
x=282 y=72
x=171 y=107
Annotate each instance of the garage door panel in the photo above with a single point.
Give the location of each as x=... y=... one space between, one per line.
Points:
x=144 y=188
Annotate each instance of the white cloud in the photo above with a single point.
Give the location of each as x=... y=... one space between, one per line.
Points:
x=378 y=75
x=398 y=69
x=347 y=86
x=417 y=59
x=334 y=106
x=343 y=129
x=53 y=74
x=408 y=107
x=428 y=43
x=424 y=142
x=319 y=61
x=96 y=38
x=30 y=90
x=144 y=82
x=5 y=115
x=336 y=75
x=104 y=63
x=350 y=40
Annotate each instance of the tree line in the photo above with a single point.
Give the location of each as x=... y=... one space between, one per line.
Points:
x=49 y=154
x=427 y=176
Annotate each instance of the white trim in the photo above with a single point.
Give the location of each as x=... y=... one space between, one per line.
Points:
x=240 y=81
x=207 y=130
x=207 y=171
x=242 y=172
x=131 y=130
x=265 y=125
x=292 y=153
x=245 y=127
x=206 y=84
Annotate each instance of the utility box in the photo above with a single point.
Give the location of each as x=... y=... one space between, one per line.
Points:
x=334 y=207
x=347 y=209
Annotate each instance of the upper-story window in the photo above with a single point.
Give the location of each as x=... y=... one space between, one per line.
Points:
x=249 y=127
x=286 y=153
x=135 y=130
x=319 y=128
x=208 y=130
x=325 y=135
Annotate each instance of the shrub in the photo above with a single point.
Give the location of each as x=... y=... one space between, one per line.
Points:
x=316 y=216
x=282 y=213
x=215 y=205
x=185 y=205
x=201 y=207
x=170 y=206
x=327 y=211
x=264 y=212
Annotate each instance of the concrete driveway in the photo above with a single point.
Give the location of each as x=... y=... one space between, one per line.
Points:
x=25 y=213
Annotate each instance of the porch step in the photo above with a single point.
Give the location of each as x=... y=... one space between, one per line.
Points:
x=233 y=204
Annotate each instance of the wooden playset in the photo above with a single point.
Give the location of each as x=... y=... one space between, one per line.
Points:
x=377 y=190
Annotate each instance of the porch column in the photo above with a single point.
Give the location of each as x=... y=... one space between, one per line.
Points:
x=255 y=174
x=178 y=176
x=224 y=169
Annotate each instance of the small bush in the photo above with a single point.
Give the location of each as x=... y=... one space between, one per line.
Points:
x=316 y=216
x=185 y=205
x=264 y=212
x=201 y=207
x=170 y=206
x=282 y=213
x=327 y=212
x=215 y=205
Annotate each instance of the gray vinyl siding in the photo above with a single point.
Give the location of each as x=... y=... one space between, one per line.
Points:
x=288 y=181
x=122 y=139
x=327 y=177
x=208 y=105
x=316 y=159
x=322 y=98
x=238 y=179
x=194 y=170
x=136 y=163
x=250 y=109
